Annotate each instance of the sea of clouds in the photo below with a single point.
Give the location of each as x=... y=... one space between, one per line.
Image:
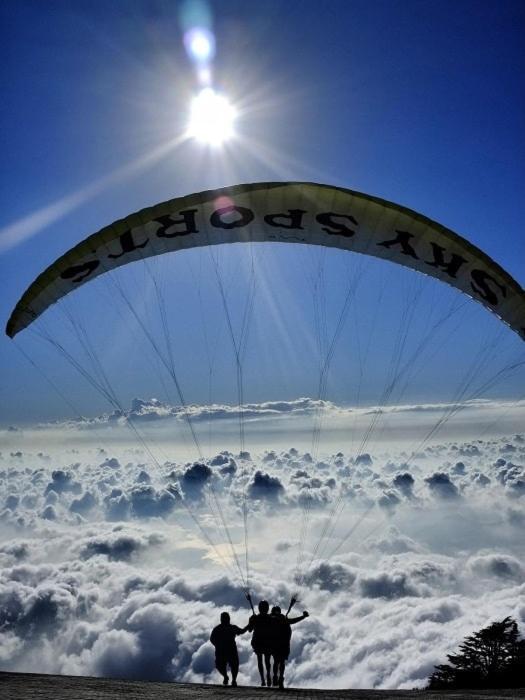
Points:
x=116 y=564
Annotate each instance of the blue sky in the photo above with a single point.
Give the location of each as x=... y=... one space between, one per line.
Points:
x=417 y=102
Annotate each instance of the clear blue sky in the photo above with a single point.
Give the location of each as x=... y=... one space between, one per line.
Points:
x=421 y=103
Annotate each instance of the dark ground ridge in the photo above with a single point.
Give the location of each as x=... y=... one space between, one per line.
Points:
x=32 y=686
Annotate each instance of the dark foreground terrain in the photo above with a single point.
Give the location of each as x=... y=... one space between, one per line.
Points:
x=29 y=686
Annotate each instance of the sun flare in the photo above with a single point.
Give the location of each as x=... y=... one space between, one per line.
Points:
x=212 y=118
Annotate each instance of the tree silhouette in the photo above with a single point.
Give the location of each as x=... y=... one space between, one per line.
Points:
x=494 y=657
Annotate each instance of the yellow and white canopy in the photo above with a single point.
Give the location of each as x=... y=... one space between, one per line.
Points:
x=290 y=212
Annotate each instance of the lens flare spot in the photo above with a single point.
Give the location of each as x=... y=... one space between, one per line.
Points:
x=200 y=45
x=204 y=76
x=212 y=118
x=223 y=202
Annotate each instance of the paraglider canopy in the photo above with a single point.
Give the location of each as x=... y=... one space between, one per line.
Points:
x=291 y=212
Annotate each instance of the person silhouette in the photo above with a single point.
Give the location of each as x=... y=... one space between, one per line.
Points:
x=281 y=634
x=260 y=624
x=223 y=639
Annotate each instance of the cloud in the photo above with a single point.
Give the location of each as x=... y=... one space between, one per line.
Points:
x=111 y=462
x=441 y=486
x=152 y=645
x=364 y=459
x=84 y=504
x=469 y=451
x=118 y=547
x=265 y=487
x=61 y=482
x=114 y=655
x=152 y=411
x=12 y=502
x=146 y=502
x=404 y=483
x=17 y=551
x=194 y=479
x=220 y=460
x=35 y=611
x=283 y=545
x=516 y=487
x=498 y=566
x=330 y=577
x=388 y=501
x=459 y=468
x=117 y=505
x=439 y=612
x=393 y=542
x=387 y=585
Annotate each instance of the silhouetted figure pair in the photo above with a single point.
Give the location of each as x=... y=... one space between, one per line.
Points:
x=223 y=639
x=271 y=639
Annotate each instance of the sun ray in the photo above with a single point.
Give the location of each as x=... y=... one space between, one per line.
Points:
x=30 y=225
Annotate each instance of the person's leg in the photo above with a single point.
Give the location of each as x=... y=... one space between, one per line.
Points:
x=234 y=666
x=220 y=665
x=261 y=669
x=268 y=664
x=275 y=670
x=282 y=664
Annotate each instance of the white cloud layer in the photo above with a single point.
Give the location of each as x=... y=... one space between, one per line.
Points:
x=113 y=565
x=152 y=410
x=165 y=428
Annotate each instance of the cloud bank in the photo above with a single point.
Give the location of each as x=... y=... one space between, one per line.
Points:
x=113 y=565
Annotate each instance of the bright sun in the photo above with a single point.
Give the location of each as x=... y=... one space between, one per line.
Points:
x=212 y=118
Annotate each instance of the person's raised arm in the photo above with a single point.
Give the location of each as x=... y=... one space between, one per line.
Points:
x=293 y=620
